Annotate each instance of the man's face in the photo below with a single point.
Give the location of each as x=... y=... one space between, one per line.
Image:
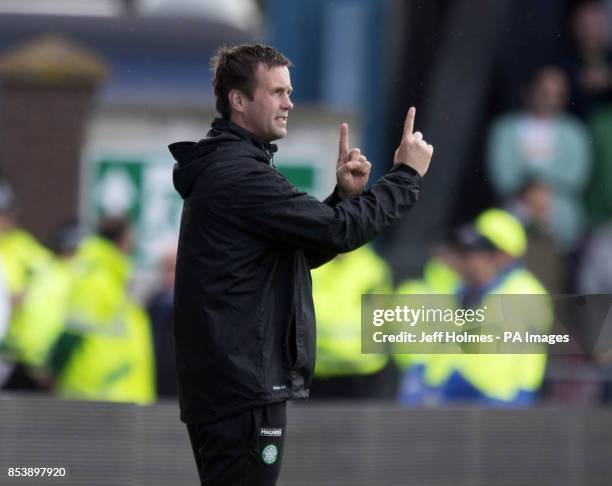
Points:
x=478 y=267
x=549 y=92
x=266 y=115
x=537 y=198
x=591 y=27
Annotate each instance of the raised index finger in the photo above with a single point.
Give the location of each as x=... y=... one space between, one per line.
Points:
x=344 y=142
x=409 y=123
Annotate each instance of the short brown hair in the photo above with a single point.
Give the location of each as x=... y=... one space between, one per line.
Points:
x=235 y=67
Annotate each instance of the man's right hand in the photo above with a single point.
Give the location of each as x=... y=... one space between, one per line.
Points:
x=413 y=150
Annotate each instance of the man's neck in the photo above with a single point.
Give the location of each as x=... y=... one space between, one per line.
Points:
x=223 y=124
x=238 y=120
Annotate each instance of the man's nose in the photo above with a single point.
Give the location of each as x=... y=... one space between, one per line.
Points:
x=287 y=104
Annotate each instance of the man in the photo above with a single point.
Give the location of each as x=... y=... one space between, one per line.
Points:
x=42 y=311
x=421 y=373
x=160 y=308
x=342 y=370
x=22 y=258
x=543 y=143
x=244 y=319
x=105 y=351
x=492 y=249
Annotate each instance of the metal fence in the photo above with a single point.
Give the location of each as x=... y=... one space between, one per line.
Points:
x=332 y=444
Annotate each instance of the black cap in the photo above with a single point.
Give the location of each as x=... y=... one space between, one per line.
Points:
x=467 y=238
x=66 y=238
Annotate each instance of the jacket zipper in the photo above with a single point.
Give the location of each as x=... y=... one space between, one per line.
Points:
x=271 y=155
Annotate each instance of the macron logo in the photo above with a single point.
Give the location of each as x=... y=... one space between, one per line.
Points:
x=270 y=432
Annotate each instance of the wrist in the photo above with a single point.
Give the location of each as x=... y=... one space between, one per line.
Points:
x=405 y=168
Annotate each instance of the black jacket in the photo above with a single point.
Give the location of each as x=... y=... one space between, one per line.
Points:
x=244 y=321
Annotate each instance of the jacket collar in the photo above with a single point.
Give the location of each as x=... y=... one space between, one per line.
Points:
x=219 y=124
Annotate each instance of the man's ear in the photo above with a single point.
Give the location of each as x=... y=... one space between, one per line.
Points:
x=237 y=100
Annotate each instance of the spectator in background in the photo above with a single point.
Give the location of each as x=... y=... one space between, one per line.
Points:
x=424 y=374
x=490 y=251
x=532 y=206
x=160 y=308
x=342 y=370
x=599 y=191
x=595 y=277
x=105 y=351
x=542 y=143
x=21 y=252
x=43 y=308
x=22 y=258
x=590 y=63
x=590 y=67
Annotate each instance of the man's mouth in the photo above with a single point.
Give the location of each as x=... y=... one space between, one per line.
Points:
x=282 y=118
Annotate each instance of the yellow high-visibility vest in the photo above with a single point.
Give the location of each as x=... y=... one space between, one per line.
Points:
x=438 y=278
x=21 y=257
x=113 y=355
x=40 y=319
x=503 y=376
x=337 y=288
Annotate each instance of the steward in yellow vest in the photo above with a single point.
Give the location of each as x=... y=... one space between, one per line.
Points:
x=341 y=370
x=40 y=320
x=22 y=257
x=423 y=374
x=105 y=351
x=491 y=250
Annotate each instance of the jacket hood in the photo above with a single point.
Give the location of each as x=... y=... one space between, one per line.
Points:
x=192 y=157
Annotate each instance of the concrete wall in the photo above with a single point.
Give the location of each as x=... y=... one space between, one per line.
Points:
x=331 y=444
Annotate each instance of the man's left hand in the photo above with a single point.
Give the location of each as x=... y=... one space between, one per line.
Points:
x=353 y=168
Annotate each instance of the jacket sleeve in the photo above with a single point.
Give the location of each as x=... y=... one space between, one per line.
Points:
x=262 y=202
x=317 y=258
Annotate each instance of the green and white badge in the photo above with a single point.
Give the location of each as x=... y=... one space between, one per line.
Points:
x=269 y=454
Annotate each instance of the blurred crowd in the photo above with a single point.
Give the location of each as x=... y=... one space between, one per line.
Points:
x=549 y=164
x=72 y=327
x=69 y=325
